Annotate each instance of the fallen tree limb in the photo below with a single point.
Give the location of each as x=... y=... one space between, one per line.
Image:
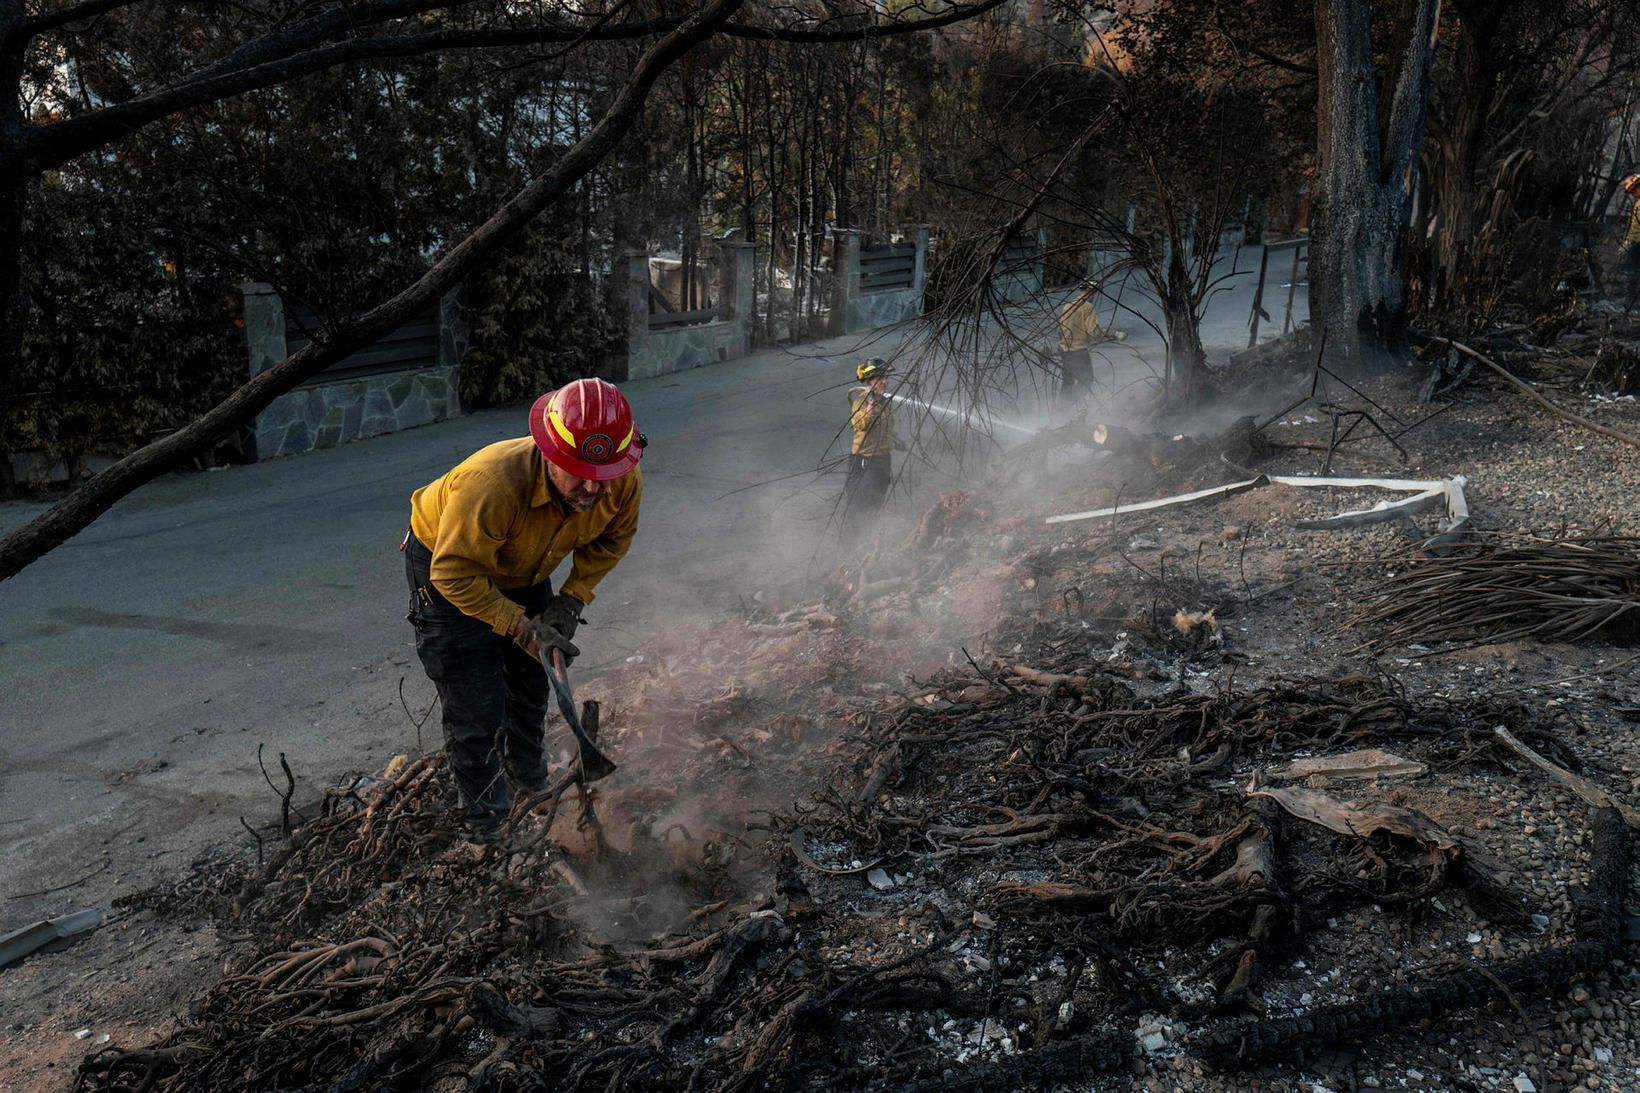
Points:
x=1599 y=928
x=1578 y=784
x=1532 y=393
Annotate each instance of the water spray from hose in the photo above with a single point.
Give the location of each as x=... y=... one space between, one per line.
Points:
x=958 y=415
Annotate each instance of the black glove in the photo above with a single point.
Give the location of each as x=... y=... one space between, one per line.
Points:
x=563 y=614
x=553 y=628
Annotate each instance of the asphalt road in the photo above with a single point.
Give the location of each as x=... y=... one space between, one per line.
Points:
x=145 y=661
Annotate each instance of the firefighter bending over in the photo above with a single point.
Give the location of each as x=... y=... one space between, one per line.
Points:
x=483 y=543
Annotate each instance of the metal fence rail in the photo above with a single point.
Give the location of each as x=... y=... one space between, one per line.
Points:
x=664 y=320
x=411 y=347
x=1301 y=258
x=888 y=267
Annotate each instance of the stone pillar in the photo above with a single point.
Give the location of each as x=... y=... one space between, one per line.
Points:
x=452 y=330
x=919 y=272
x=641 y=362
x=264 y=326
x=452 y=344
x=637 y=293
x=845 y=265
x=737 y=283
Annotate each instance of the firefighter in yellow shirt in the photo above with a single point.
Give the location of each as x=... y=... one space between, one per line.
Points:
x=1079 y=328
x=870 y=466
x=483 y=543
x=1630 y=247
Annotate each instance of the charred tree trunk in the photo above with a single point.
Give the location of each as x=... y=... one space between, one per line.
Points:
x=1368 y=177
x=14 y=175
x=13 y=305
x=1187 y=361
x=1459 y=165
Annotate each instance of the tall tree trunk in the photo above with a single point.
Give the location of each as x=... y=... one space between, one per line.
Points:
x=1458 y=170
x=1367 y=179
x=13 y=188
x=1187 y=361
x=13 y=192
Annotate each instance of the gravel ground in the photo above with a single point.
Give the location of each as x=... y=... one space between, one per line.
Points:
x=1286 y=599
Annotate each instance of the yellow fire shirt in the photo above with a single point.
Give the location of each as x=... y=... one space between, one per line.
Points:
x=494 y=523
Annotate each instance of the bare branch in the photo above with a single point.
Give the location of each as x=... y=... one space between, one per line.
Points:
x=52 y=145
x=956 y=13
x=73 y=13
x=1267 y=57
x=285 y=55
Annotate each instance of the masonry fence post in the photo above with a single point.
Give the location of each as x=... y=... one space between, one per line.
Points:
x=737 y=284
x=845 y=260
x=264 y=326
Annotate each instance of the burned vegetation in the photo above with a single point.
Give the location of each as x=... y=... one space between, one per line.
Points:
x=1090 y=853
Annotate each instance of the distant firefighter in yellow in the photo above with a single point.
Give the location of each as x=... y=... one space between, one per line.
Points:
x=1079 y=328
x=870 y=466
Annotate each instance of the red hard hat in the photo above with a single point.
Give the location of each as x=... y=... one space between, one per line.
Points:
x=585 y=428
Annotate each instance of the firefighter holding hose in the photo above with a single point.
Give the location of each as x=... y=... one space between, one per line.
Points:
x=870 y=466
x=483 y=543
x=1079 y=330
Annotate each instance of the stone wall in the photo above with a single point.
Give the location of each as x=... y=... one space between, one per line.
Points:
x=854 y=310
x=658 y=351
x=327 y=414
x=333 y=410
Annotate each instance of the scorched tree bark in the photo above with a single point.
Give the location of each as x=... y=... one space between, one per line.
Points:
x=1368 y=175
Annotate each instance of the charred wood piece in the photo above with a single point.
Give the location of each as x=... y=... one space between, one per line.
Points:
x=1600 y=924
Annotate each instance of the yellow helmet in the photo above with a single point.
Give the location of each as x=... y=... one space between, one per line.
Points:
x=1631 y=185
x=873 y=369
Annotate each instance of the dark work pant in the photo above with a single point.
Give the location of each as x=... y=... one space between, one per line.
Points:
x=1075 y=374
x=865 y=490
x=493 y=693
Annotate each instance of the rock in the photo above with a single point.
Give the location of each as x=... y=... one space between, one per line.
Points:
x=879 y=880
x=1153 y=1042
x=1523 y=1084
x=1602 y=1055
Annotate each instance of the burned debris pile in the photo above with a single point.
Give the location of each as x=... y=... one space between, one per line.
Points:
x=1014 y=874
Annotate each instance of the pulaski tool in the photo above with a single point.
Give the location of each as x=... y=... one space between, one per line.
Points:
x=594 y=763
